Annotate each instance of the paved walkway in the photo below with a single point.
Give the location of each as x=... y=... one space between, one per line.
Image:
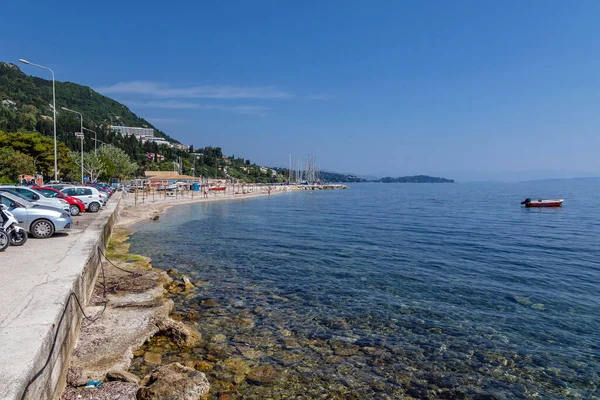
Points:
x=35 y=281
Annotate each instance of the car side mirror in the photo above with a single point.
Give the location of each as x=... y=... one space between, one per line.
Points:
x=13 y=205
x=36 y=197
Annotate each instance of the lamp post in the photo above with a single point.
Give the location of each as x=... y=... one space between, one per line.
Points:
x=81 y=118
x=95 y=139
x=53 y=110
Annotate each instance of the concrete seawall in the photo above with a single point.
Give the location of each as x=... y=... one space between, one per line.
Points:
x=38 y=314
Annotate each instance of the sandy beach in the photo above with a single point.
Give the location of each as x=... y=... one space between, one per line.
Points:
x=149 y=206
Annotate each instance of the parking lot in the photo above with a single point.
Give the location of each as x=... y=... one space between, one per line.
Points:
x=37 y=256
x=36 y=250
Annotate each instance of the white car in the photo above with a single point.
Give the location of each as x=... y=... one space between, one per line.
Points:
x=37 y=197
x=90 y=196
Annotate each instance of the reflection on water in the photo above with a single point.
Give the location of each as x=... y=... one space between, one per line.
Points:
x=384 y=291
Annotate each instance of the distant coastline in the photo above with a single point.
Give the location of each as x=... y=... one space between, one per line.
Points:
x=415 y=179
x=350 y=178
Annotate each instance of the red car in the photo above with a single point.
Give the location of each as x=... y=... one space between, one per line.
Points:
x=76 y=206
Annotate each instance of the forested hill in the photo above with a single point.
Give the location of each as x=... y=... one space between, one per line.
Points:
x=25 y=100
x=340 y=178
x=415 y=179
x=25 y=108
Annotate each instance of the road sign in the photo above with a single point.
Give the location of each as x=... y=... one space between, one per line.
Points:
x=79 y=134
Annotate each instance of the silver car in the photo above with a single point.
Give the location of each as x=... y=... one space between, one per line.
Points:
x=40 y=221
x=36 y=197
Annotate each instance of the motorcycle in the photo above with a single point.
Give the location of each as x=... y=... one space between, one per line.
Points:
x=17 y=235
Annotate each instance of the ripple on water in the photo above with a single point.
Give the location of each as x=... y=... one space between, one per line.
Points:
x=381 y=292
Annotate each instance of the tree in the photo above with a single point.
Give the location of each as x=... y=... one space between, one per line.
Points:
x=41 y=149
x=117 y=162
x=14 y=163
x=92 y=165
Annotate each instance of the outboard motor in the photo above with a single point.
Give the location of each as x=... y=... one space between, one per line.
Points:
x=526 y=201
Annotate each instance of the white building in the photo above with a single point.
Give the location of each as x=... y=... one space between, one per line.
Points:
x=158 y=141
x=140 y=133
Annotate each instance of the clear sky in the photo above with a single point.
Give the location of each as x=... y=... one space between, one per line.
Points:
x=464 y=89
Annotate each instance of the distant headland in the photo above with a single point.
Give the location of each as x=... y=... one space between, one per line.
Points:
x=350 y=178
x=415 y=179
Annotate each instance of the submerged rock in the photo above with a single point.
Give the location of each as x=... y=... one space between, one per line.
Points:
x=237 y=366
x=152 y=358
x=180 y=333
x=263 y=375
x=187 y=283
x=173 y=382
x=192 y=315
x=524 y=301
x=219 y=338
x=204 y=366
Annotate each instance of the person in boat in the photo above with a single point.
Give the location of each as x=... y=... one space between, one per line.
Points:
x=526 y=201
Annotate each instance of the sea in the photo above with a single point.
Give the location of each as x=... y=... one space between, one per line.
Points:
x=388 y=291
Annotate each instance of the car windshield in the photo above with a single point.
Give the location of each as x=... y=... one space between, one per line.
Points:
x=48 y=192
x=15 y=193
x=10 y=198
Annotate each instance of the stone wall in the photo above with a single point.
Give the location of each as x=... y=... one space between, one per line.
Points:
x=81 y=265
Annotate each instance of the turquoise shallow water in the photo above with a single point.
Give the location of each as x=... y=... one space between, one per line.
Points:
x=391 y=290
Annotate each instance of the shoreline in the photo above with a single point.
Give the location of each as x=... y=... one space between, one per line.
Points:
x=129 y=308
x=132 y=214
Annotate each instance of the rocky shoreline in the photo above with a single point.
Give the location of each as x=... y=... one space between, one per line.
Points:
x=135 y=311
x=128 y=309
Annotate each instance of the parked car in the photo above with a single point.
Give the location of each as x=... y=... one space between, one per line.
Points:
x=90 y=196
x=102 y=188
x=41 y=221
x=37 y=197
x=76 y=206
x=57 y=185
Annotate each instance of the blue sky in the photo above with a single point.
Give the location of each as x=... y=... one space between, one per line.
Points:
x=465 y=89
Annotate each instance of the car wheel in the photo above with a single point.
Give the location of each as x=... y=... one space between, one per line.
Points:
x=41 y=229
x=94 y=207
x=74 y=209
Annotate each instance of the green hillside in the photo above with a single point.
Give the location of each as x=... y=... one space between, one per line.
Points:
x=33 y=99
x=25 y=106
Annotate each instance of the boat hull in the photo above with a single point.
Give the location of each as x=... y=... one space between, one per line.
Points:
x=544 y=203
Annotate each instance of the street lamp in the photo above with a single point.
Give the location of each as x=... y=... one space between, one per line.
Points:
x=81 y=118
x=53 y=110
x=95 y=138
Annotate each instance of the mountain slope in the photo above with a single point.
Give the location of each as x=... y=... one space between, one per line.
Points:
x=25 y=100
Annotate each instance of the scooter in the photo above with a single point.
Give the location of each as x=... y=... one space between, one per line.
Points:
x=16 y=234
x=4 y=240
